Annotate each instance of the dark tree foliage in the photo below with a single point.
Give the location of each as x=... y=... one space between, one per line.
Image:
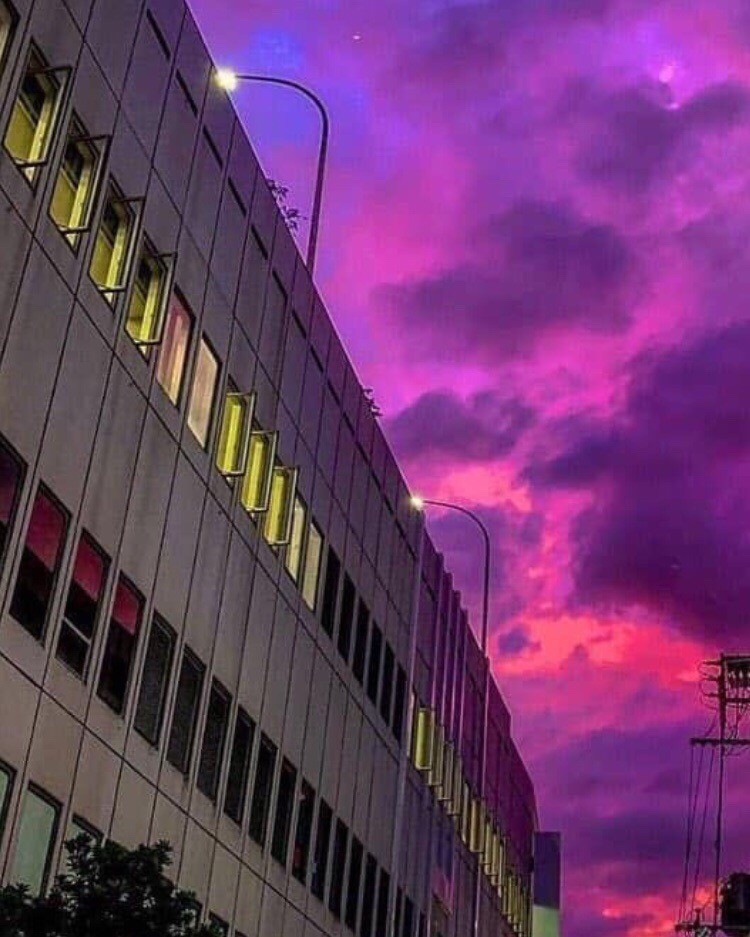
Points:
x=108 y=891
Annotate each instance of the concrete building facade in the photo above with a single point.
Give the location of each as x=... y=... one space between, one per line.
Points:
x=221 y=624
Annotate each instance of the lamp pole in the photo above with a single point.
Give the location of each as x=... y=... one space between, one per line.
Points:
x=419 y=503
x=229 y=80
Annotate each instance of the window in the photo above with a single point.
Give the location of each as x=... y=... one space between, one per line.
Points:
x=384 y=889
x=154 y=681
x=201 y=405
x=214 y=737
x=11 y=479
x=330 y=592
x=360 y=641
x=256 y=484
x=7 y=22
x=239 y=766
x=311 y=574
x=322 y=842
x=34 y=116
x=293 y=558
x=373 y=669
x=408 y=917
x=6 y=783
x=221 y=926
x=346 y=617
x=338 y=867
x=82 y=605
x=284 y=806
x=262 y=790
x=234 y=436
x=78 y=827
x=352 y=890
x=76 y=184
x=120 y=647
x=111 y=255
x=189 y=687
x=386 y=692
x=397 y=913
x=303 y=832
x=37 y=832
x=147 y=308
x=398 y=704
x=368 y=897
x=170 y=365
x=40 y=563
x=278 y=524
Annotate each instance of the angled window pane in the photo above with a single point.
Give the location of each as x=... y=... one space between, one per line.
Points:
x=35 y=842
x=11 y=479
x=239 y=766
x=187 y=700
x=119 y=651
x=261 y=802
x=82 y=605
x=113 y=243
x=6 y=784
x=234 y=436
x=311 y=574
x=293 y=558
x=352 y=889
x=399 y=701
x=7 y=23
x=303 y=832
x=384 y=888
x=330 y=592
x=201 y=405
x=214 y=738
x=40 y=564
x=76 y=184
x=368 y=897
x=218 y=924
x=256 y=484
x=170 y=364
x=284 y=806
x=277 y=528
x=155 y=681
x=346 y=617
x=147 y=308
x=373 y=668
x=386 y=692
x=360 y=641
x=338 y=868
x=322 y=843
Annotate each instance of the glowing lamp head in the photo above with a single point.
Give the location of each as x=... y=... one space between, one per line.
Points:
x=417 y=503
x=227 y=79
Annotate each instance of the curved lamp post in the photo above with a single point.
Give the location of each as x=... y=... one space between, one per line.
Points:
x=228 y=80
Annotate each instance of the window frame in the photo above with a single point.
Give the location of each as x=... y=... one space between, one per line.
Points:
x=56 y=806
x=219 y=692
x=157 y=622
x=249 y=397
x=282 y=822
x=260 y=835
x=312 y=604
x=10 y=772
x=179 y=296
x=168 y=263
x=127 y=584
x=296 y=570
x=134 y=207
x=184 y=768
x=288 y=476
x=241 y=714
x=14 y=457
x=204 y=342
x=7 y=32
x=262 y=504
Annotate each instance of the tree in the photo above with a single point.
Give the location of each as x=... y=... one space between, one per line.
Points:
x=108 y=891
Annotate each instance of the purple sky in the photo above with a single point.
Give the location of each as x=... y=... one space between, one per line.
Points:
x=535 y=246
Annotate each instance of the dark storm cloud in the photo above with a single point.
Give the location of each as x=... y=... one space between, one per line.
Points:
x=538 y=268
x=515 y=642
x=484 y=427
x=639 y=137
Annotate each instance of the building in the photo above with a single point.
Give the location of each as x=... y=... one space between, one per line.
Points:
x=547 y=874
x=208 y=625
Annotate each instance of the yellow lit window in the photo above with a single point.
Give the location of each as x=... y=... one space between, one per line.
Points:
x=76 y=184
x=278 y=525
x=293 y=558
x=234 y=436
x=311 y=574
x=201 y=405
x=424 y=737
x=145 y=320
x=476 y=833
x=256 y=485
x=114 y=238
x=487 y=844
x=34 y=116
x=446 y=792
x=455 y=806
x=435 y=777
x=170 y=365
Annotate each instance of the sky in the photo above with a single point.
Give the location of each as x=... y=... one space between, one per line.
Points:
x=535 y=247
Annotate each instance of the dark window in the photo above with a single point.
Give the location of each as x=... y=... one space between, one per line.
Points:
x=322 y=842
x=221 y=926
x=282 y=823
x=214 y=737
x=386 y=693
x=11 y=479
x=330 y=592
x=422 y=925
x=189 y=688
x=40 y=563
x=352 y=890
x=154 y=681
x=397 y=914
x=408 y=917
x=82 y=605
x=384 y=890
x=338 y=867
x=303 y=832
x=119 y=650
x=6 y=783
x=373 y=668
x=346 y=618
x=368 y=897
x=239 y=766
x=398 y=704
x=360 y=641
x=261 y=801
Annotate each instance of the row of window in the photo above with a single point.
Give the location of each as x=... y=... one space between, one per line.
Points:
x=384 y=681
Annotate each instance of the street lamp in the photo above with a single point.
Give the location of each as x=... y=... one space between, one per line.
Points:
x=419 y=503
x=228 y=79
